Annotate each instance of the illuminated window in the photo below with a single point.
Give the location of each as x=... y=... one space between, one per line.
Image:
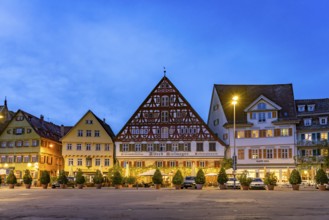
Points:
x=269 y=133
x=324 y=136
x=240 y=134
x=254 y=154
x=70 y=161
x=254 y=133
x=284 y=132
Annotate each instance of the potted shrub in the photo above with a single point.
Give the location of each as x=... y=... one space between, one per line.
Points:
x=0 y=181
x=98 y=179
x=131 y=180
x=80 y=179
x=200 y=179
x=117 y=179
x=178 y=179
x=270 y=180
x=222 y=178
x=45 y=179
x=62 y=179
x=321 y=178
x=27 y=179
x=157 y=178
x=295 y=179
x=11 y=179
x=245 y=180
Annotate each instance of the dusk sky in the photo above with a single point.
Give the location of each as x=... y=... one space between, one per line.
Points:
x=61 y=58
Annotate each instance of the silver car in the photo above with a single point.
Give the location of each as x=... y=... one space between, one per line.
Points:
x=230 y=184
x=257 y=183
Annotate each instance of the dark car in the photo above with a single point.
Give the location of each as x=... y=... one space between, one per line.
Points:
x=189 y=181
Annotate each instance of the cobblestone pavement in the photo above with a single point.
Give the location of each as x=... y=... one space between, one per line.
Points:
x=210 y=203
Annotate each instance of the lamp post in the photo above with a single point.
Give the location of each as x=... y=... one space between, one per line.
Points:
x=234 y=102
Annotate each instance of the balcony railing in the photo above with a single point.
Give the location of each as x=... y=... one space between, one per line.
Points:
x=310 y=159
x=323 y=143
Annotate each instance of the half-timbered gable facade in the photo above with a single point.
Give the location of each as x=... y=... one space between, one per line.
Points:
x=265 y=126
x=165 y=131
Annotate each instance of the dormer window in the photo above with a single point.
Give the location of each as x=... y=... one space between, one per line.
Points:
x=307 y=122
x=261 y=106
x=310 y=108
x=323 y=120
x=301 y=108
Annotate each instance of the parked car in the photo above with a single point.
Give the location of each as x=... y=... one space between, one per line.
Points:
x=189 y=181
x=55 y=185
x=230 y=183
x=257 y=183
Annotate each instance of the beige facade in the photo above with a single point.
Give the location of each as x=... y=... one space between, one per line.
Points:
x=88 y=146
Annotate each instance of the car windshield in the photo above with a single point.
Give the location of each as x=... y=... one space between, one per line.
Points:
x=257 y=180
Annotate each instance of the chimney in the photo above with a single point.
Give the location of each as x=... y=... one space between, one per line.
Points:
x=104 y=120
x=62 y=131
x=42 y=118
x=5 y=101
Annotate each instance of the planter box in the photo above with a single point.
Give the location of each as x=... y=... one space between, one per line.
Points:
x=295 y=186
x=322 y=187
x=98 y=186
x=245 y=187
x=199 y=186
x=270 y=187
x=222 y=186
x=27 y=186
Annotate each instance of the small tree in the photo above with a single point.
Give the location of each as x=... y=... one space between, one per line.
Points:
x=178 y=178
x=270 y=179
x=117 y=178
x=321 y=177
x=98 y=178
x=244 y=179
x=113 y=169
x=11 y=178
x=27 y=178
x=131 y=180
x=222 y=176
x=200 y=177
x=157 y=177
x=45 y=177
x=295 y=178
x=62 y=178
x=80 y=179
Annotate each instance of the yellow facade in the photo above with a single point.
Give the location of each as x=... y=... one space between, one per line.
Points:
x=23 y=148
x=88 y=146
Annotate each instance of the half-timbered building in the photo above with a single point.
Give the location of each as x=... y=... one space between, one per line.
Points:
x=166 y=132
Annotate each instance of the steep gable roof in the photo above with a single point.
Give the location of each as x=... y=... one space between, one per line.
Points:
x=106 y=127
x=42 y=128
x=150 y=106
x=280 y=94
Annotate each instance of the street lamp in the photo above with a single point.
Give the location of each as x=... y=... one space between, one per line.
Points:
x=234 y=102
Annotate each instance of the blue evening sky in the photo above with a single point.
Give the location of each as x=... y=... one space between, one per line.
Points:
x=60 y=58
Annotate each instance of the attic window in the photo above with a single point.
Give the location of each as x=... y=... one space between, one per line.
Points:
x=261 y=106
x=89 y=122
x=19 y=118
x=323 y=120
x=310 y=108
x=301 y=108
x=307 y=121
